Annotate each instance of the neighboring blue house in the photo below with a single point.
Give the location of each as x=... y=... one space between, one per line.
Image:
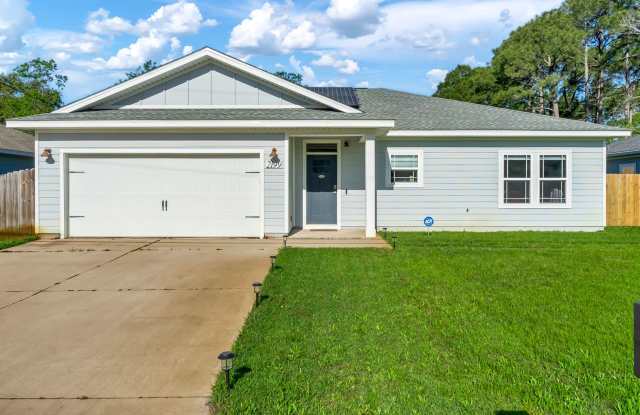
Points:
x=16 y=150
x=623 y=156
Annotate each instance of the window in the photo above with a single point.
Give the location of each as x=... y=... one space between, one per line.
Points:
x=553 y=178
x=405 y=168
x=536 y=179
x=517 y=179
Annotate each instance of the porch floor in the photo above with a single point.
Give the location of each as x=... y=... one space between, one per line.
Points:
x=344 y=238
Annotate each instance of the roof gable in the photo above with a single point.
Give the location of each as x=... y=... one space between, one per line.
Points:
x=15 y=141
x=192 y=61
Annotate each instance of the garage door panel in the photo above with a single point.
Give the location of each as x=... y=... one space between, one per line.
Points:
x=205 y=195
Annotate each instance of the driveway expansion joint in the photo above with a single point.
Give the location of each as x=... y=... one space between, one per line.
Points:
x=80 y=273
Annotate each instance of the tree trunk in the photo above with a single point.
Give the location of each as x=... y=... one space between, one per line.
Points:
x=629 y=90
x=556 y=109
x=587 y=109
x=599 y=117
x=541 y=101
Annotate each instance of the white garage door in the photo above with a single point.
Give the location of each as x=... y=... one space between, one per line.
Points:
x=165 y=195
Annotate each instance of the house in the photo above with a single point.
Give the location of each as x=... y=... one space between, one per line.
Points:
x=16 y=150
x=208 y=145
x=623 y=156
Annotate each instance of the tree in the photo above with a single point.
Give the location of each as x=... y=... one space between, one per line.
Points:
x=142 y=69
x=294 y=77
x=539 y=62
x=477 y=85
x=31 y=88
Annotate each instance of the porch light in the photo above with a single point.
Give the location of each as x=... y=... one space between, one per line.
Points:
x=257 y=287
x=273 y=262
x=226 y=364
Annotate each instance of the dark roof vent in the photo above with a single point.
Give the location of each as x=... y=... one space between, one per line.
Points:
x=344 y=95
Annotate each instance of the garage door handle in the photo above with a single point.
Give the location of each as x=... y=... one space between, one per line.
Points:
x=252 y=172
x=252 y=217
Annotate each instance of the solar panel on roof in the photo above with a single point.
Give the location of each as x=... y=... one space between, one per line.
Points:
x=344 y=95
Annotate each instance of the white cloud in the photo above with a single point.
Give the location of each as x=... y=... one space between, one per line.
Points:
x=439 y=27
x=100 y=23
x=63 y=41
x=175 y=43
x=155 y=33
x=15 y=19
x=472 y=61
x=267 y=31
x=187 y=49
x=362 y=84
x=475 y=40
x=301 y=37
x=332 y=82
x=354 y=18
x=308 y=75
x=346 y=66
x=435 y=76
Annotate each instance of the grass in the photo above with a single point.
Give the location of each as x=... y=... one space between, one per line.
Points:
x=9 y=240
x=452 y=323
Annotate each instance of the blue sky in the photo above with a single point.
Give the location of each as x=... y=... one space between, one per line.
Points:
x=406 y=45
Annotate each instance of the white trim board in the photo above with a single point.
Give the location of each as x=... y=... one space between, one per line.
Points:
x=196 y=57
x=212 y=124
x=506 y=133
x=64 y=159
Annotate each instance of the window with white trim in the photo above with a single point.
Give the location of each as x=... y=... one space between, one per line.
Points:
x=535 y=179
x=405 y=168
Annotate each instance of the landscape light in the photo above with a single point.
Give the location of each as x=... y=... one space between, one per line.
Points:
x=395 y=239
x=273 y=262
x=257 y=287
x=226 y=364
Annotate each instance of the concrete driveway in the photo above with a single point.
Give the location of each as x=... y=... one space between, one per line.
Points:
x=119 y=326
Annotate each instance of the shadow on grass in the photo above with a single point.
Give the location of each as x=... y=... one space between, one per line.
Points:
x=507 y=412
x=239 y=373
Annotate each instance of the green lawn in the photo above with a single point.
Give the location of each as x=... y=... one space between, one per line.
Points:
x=451 y=323
x=9 y=240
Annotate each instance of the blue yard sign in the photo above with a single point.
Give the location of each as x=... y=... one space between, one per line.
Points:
x=428 y=221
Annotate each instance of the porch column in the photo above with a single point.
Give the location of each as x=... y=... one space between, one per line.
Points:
x=370 y=184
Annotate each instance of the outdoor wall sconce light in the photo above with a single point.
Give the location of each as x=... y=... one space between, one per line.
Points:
x=226 y=364
x=257 y=287
x=395 y=240
x=346 y=143
x=47 y=155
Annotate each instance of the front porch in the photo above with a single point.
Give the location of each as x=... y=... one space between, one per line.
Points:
x=344 y=238
x=332 y=182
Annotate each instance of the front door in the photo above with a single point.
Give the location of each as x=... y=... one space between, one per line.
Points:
x=322 y=189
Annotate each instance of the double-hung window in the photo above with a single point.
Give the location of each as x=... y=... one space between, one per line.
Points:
x=405 y=168
x=535 y=179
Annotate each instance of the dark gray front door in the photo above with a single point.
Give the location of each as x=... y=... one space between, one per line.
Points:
x=322 y=186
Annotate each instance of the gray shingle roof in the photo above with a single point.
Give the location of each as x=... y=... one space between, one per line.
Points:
x=623 y=147
x=410 y=111
x=13 y=140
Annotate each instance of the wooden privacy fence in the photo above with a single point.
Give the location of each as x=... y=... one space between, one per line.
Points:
x=17 y=202
x=623 y=199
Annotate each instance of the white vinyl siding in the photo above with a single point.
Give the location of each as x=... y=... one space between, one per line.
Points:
x=461 y=186
x=49 y=174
